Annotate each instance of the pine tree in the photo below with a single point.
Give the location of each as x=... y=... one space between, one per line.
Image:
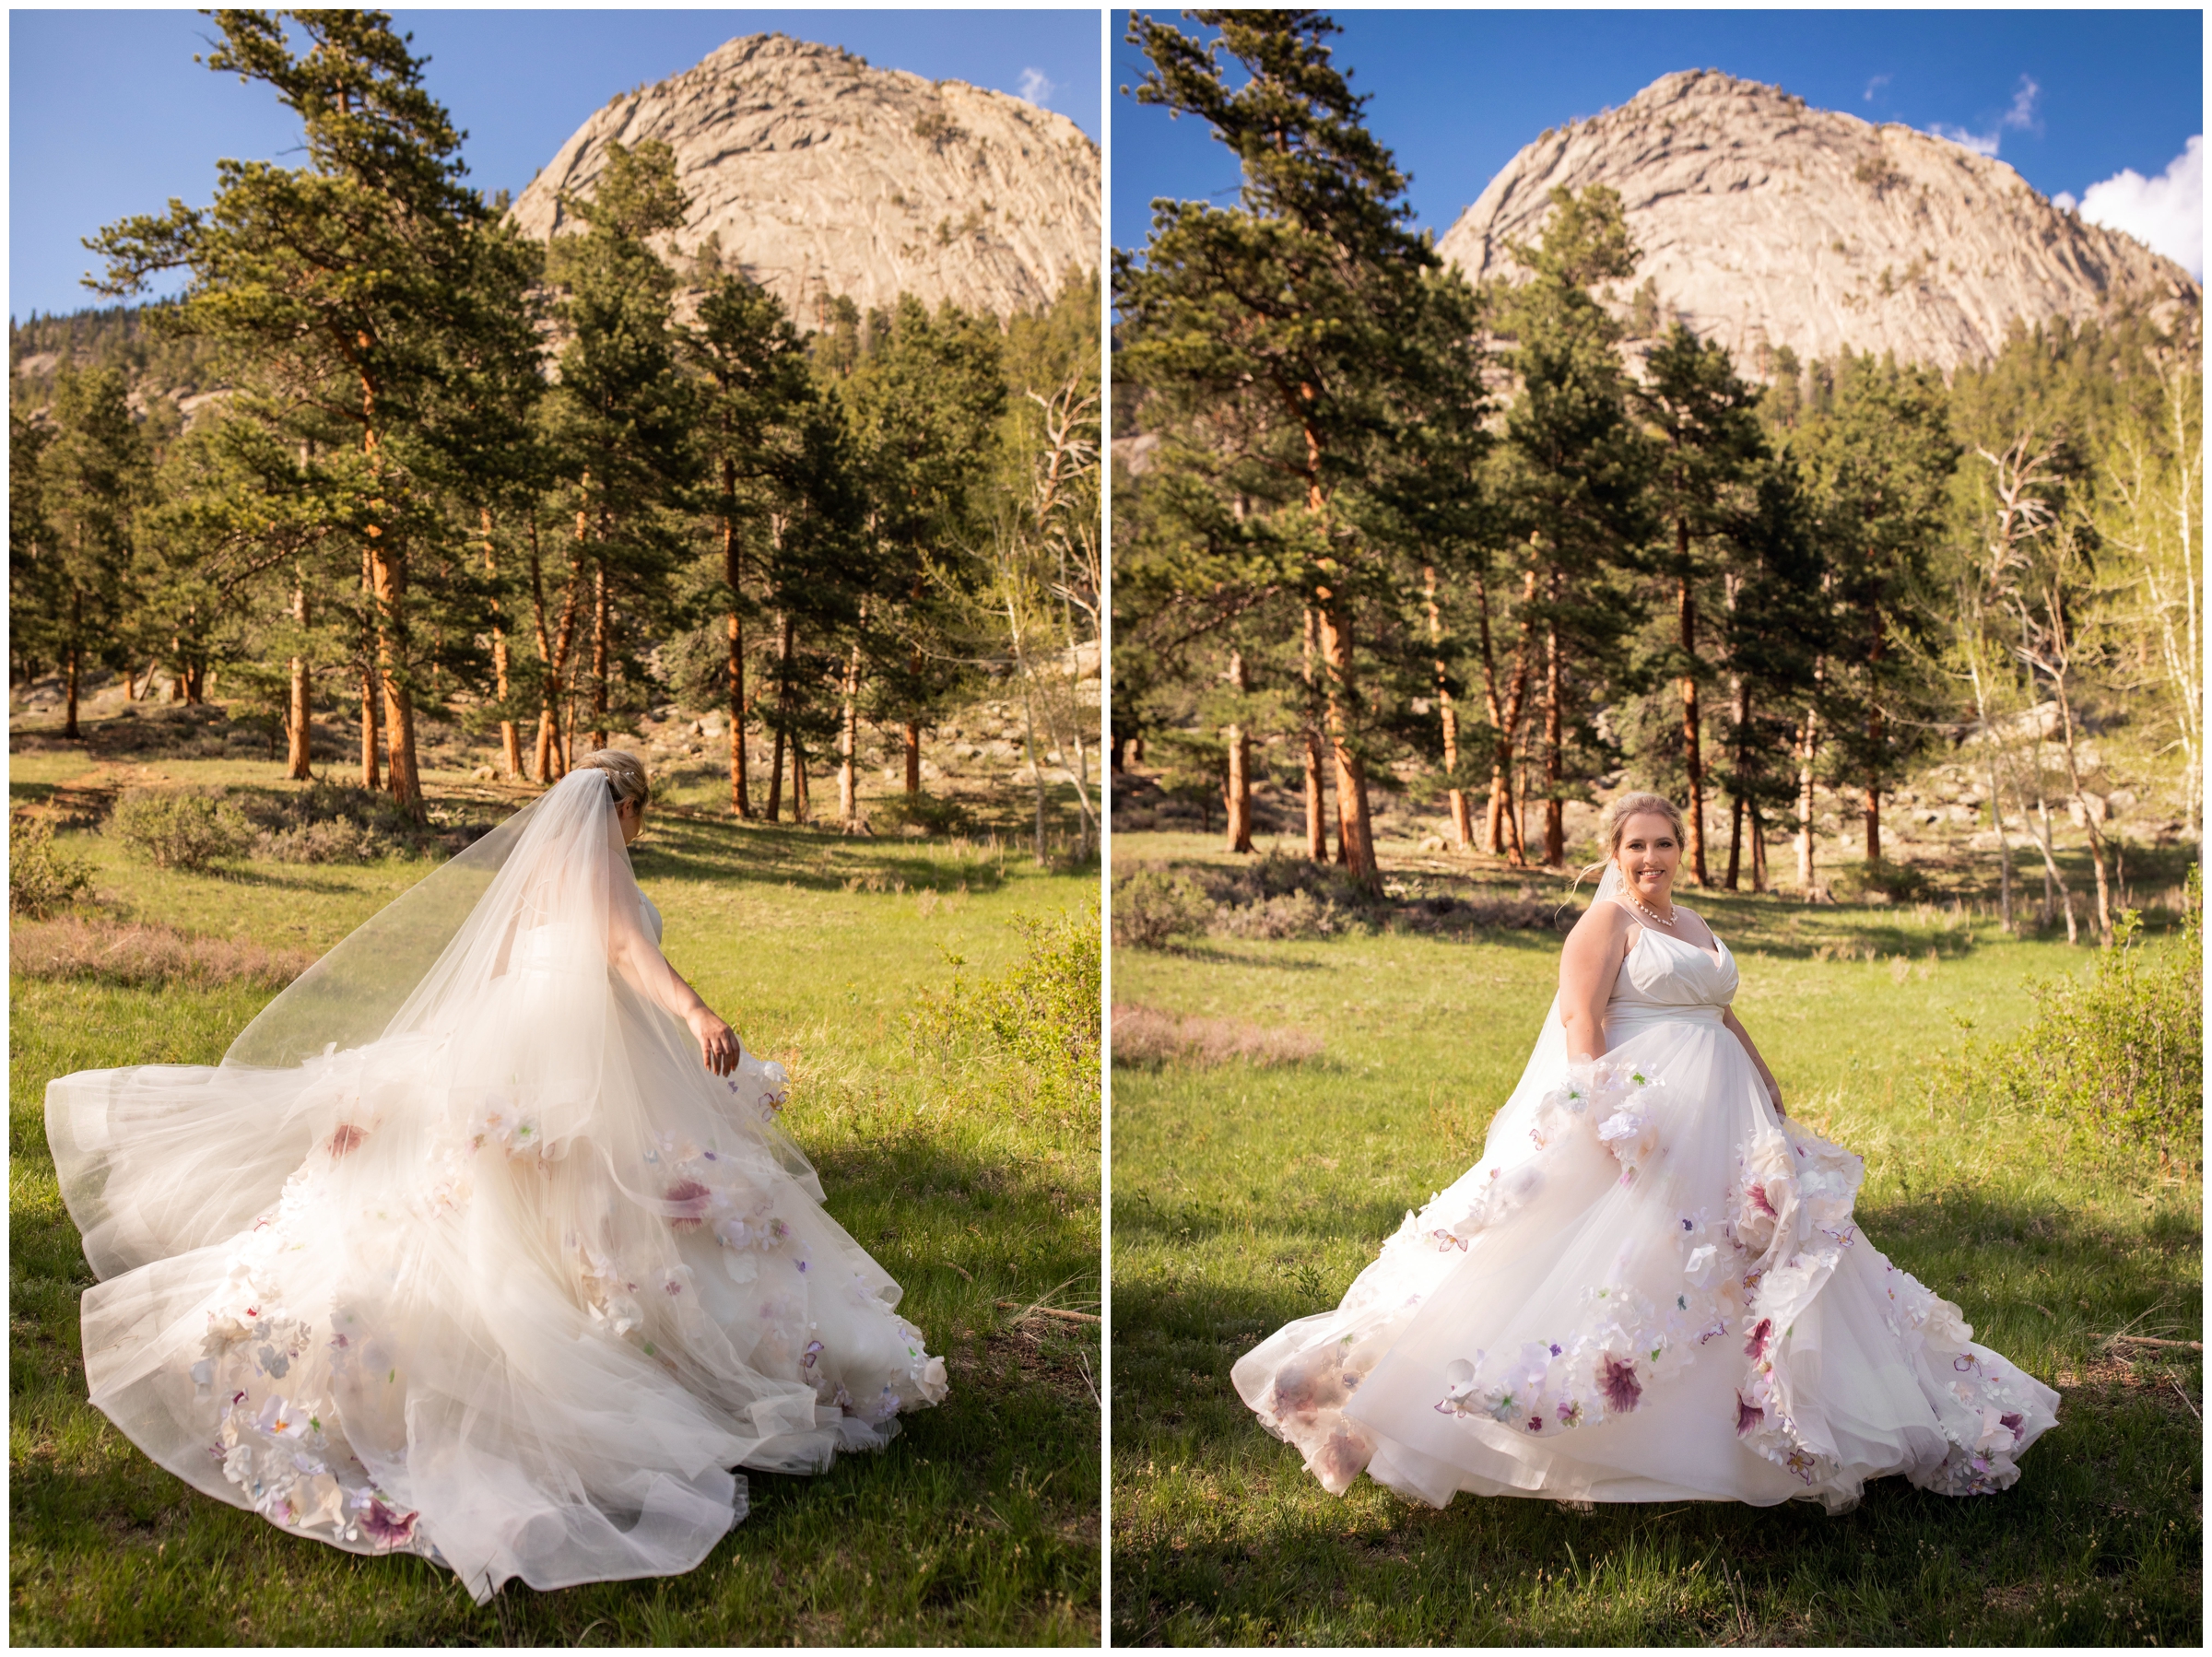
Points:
x=1571 y=478
x=90 y=485
x=1293 y=322
x=621 y=420
x=1704 y=418
x=338 y=278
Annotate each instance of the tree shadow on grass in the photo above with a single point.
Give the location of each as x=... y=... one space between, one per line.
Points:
x=2097 y=1543
x=988 y=1494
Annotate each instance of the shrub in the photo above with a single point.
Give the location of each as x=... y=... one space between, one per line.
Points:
x=2118 y=1054
x=923 y=811
x=1292 y=915
x=341 y=839
x=1150 y=907
x=1038 y=1021
x=180 y=829
x=1895 y=882
x=41 y=878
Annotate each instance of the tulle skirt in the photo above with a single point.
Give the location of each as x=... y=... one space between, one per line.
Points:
x=1652 y=1288
x=391 y=1306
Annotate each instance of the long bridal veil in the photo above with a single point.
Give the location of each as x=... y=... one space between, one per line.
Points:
x=461 y=1249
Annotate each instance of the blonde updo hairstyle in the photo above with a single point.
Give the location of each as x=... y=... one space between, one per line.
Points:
x=625 y=776
x=1636 y=802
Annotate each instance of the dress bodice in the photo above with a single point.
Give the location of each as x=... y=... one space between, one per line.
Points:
x=1664 y=975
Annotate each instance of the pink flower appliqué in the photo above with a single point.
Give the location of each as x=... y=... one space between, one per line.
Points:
x=689 y=1199
x=1760 y=1332
x=1616 y=1380
x=1757 y=1196
x=386 y=1528
x=1748 y=1416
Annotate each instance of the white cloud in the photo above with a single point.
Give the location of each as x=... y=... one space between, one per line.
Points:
x=2021 y=117
x=1036 y=88
x=1875 y=84
x=1981 y=143
x=2166 y=214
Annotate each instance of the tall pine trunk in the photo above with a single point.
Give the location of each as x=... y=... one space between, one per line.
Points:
x=599 y=653
x=775 y=773
x=300 y=708
x=1355 y=832
x=1317 y=828
x=731 y=575
x=1236 y=789
x=1693 y=758
x=510 y=744
x=1875 y=735
x=1555 y=735
x=1808 y=748
x=1463 y=823
x=847 y=739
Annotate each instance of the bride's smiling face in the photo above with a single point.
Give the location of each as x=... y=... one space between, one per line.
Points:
x=1648 y=855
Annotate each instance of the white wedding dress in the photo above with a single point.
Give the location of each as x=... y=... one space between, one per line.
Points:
x=1651 y=1288
x=461 y=1251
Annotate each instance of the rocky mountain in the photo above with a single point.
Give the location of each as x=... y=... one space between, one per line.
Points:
x=1763 y=223
x=824 y=176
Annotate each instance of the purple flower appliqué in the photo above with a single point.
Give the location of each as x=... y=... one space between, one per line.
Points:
x=387 y=1528
x=813 y=1350
x=1616 y=1380
x=2015 y=1423
x=1536 y=1423
x=1748 y=1416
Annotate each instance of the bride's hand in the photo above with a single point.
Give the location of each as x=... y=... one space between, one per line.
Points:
x=1774 y=1093
x=717 y=1042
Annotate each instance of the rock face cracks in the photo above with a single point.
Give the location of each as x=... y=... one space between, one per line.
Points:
x=1763 y=223
x=823 y=176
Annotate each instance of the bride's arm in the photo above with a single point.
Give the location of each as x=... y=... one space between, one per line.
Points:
x=647 y=970
x=1732 y=1023
x=1587 y=968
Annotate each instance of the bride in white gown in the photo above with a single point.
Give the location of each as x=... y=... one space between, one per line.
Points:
x=482 y=1242
x=1651 y=1287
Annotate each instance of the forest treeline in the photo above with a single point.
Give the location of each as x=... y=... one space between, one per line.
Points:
x=436 y=469
x=1502 y=542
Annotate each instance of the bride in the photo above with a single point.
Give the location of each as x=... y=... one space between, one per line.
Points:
x=1651 y=1287
x=482 y=1242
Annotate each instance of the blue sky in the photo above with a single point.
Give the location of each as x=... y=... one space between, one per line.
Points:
x=2070 y=98
x=107 y=115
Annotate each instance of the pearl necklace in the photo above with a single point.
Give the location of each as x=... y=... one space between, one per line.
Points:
x=1644 y=908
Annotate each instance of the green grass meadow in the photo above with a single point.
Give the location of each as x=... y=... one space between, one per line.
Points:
x=980 y=1525
x=1245 y=1196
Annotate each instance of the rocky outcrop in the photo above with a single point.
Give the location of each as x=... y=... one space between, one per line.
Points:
x=823 y=176
x=1763 y=223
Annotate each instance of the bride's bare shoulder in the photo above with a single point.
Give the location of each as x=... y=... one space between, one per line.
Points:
x=1604 y=921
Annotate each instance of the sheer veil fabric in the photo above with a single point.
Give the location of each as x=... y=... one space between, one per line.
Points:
x=1651 y=1287
x=461 y=1251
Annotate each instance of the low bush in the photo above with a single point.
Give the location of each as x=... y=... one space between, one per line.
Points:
x=1150 y=909
x=1882 y=880
x=179 y=827
x=1042 y=1015
x=1292 y=915
x=41 y=878
x=2118 y=1054
x=923 y=811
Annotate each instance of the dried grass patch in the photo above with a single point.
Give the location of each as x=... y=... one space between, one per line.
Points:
x=1146 y=1036
x=135 y=955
